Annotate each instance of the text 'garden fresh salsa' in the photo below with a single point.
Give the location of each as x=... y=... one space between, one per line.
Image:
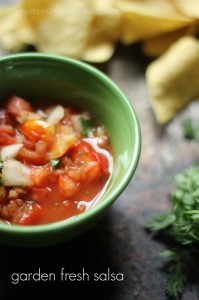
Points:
x=54 y=162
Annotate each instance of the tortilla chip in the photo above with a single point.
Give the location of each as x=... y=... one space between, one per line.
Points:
x=98 y=52
x=15 y=33
x=37 y=10
x=148 y=18
x=104 y=32
x=188 y=7
x=158 y=45
x=107 y=19
x=64 y=27
x=6 y=10
x=173 y=79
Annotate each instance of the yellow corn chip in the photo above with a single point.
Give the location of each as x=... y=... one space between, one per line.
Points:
x=188 y=7
x=173 y=79
x=104 y=32
x=64 y=27
x=98 y=52
x=157 y=45
x=107 y=19
x=15 y=34
x=37 y=10
x=148 y=18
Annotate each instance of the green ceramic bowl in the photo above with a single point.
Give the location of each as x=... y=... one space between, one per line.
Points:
x=35 y=75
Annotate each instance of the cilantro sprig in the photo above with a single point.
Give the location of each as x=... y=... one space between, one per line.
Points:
x=1 y=168
x=55 y=163
x=182 y=226
x=191 y=128
x=1 y=164
x=87 y=126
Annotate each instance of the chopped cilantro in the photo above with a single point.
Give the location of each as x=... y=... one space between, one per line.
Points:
x=101 y=178
x=87 y=126
x=1 y=164
x=181 y=225
x=191 y=129
x=81 y=152
x=55 y=163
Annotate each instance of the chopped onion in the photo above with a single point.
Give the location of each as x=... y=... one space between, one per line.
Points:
x=77 y=123
x=60 y=145
x=10 y=151
x=56 y=115
x=15 y=173
x=28 y=115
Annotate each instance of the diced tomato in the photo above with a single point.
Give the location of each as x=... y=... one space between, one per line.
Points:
x=5 y=117
x=83 y=152
x=88 y=164
x=67 y=186
x=7 y=129
x=41 y=147
x=60 y=144
x=7 y=135
x=16 y=104
x=39 y=194
x=31 y=156
x=6 y=139
x=86 y=172
x=103 y=162
x=29 y=144
x=28 y=214
x=37 y=130
x=42 y=175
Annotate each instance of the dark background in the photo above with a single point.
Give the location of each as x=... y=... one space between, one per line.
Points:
x=119 y=241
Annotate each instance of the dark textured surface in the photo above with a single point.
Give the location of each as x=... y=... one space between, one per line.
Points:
x=119 y=241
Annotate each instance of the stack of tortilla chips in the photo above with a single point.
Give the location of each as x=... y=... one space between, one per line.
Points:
x=90 y=29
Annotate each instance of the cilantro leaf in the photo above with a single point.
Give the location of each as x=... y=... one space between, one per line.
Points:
x=191 y=129
x=87 y=126
x=175 y=282
x=160 y=222
x=1 y=164
x=55 y=163
x=182 y=225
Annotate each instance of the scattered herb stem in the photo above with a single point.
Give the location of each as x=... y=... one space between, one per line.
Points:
x=181 y=224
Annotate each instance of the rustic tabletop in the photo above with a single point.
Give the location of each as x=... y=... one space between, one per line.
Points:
x=119 y=242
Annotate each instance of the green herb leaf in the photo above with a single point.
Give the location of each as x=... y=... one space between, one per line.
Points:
x=1 y=164
x=160 y=222
x=55 y=163
x=169 y=253
x=182 y=225
x=191 y=129
x=175 y=282
x=101 y=178
x=56 y=203
x=87 y=126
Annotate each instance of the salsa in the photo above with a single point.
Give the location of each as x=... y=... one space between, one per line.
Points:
x=55 y=162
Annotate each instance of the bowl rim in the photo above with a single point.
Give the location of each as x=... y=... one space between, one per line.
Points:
x=108 y=200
